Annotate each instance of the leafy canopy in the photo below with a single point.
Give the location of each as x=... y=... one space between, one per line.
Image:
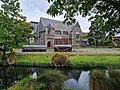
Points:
x=106 y=10
x=13 y=28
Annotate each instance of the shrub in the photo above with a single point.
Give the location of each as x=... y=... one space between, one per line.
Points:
x=99 y=81
x=51 y=80
x=11 y=58
x=21 y=85
x=59 y=60
x=114 y=76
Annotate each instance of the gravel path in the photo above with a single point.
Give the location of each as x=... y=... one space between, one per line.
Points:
x=82 y=51
x=98 y=51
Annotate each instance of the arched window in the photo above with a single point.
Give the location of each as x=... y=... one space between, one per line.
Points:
x=77 y=35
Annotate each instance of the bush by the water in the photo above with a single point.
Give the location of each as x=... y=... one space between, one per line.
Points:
x=59 y=60
x=11 y=58
x=105 y=80
x=51 y=80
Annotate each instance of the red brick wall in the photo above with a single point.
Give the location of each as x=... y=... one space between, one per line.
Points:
x=61 y=42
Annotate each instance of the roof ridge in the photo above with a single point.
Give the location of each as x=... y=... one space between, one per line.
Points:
x=57 y=24
x=50 y=19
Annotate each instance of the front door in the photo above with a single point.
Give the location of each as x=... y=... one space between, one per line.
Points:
x=49 y=44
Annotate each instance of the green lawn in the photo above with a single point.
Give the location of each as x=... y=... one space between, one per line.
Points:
x=95 y=61
x=89 y=61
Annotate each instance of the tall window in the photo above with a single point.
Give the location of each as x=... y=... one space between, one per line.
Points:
x=57 y=32
x=77 y=36
x=48 y=32
x=65 y=33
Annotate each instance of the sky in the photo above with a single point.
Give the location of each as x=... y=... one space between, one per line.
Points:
x=34 y=9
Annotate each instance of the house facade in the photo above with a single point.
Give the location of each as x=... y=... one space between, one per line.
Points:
x=53 y=32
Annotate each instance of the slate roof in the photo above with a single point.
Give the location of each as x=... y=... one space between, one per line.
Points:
x=77 y=25
x=57 y=25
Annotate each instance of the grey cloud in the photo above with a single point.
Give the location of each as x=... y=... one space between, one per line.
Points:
x=32 y=5
x=34 y=9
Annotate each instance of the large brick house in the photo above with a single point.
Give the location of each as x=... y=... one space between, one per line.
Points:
x=53 y=32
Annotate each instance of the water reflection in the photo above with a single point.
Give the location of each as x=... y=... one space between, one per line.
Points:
x=11 y=75
x=82 y=83
x=76 y=79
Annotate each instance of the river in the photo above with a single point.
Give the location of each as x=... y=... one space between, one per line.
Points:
x=77 y=79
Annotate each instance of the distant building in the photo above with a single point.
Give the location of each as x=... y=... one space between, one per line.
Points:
x=34 y=25
x=53 y=32
x=116 y=39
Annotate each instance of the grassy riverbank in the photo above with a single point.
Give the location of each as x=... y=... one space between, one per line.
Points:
x=75 y=61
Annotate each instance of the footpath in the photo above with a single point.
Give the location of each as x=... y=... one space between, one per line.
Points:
x=81 y=51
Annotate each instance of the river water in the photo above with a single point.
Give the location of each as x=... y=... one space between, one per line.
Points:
x=77 y=79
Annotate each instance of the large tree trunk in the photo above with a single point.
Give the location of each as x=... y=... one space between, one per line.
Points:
x=4 y=54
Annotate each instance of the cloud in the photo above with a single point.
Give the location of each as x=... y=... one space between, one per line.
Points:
x=41 y=5
x=33 y=9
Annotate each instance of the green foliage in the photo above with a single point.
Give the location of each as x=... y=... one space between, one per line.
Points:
x=104 y=14
x=51 y=80
x=105 y=80
x=115 y=79
x=97 y=36
x=38 y=86
x=84 y=35
x=21 y=84
x=98 y=81
x=13 y=28
x=23 y=32
x=59 y=60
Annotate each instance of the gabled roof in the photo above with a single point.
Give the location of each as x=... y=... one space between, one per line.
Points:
x=77 y=25
x=57 y=25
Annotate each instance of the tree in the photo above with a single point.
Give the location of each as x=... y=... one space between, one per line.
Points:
x=97 y=34
x=13 y=28
x=107 y=10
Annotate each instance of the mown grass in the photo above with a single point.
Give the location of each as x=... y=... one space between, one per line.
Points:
x=33 y=60
x=95 y=61
x=75 y=61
